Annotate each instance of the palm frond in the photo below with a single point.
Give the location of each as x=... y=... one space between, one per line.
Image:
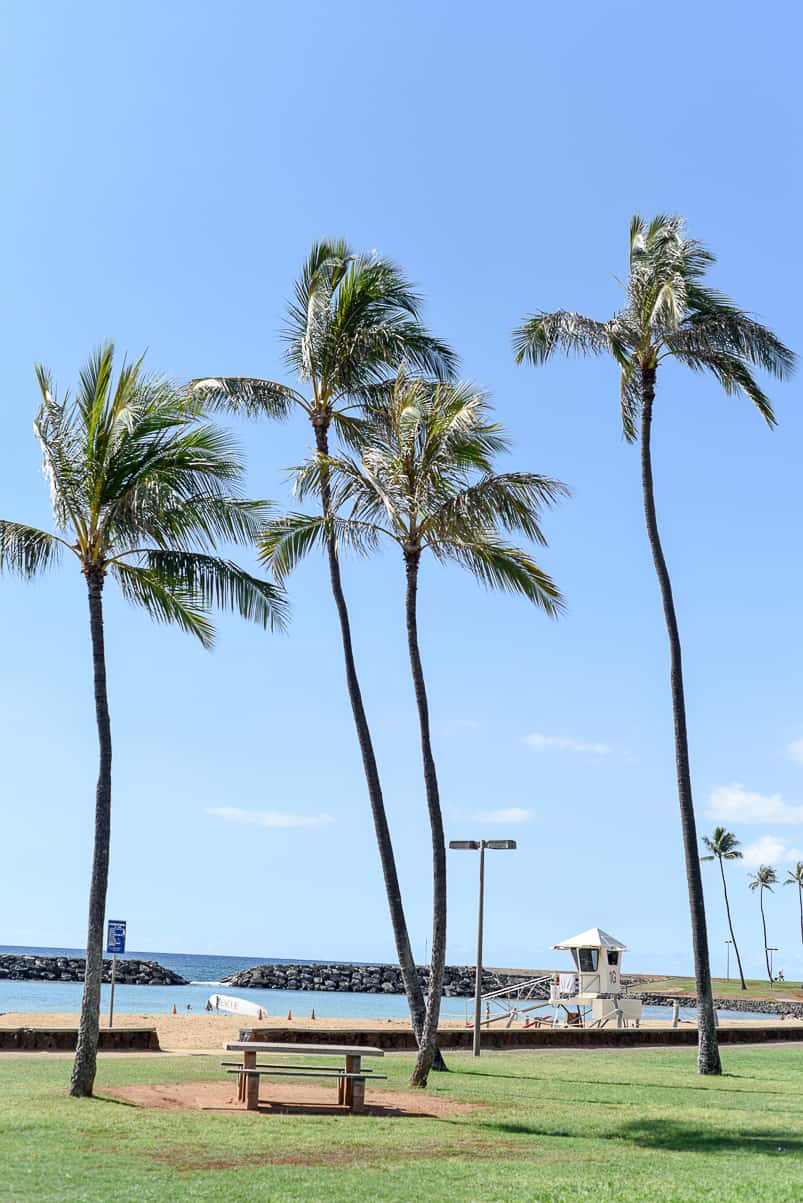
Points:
x=287 y=540
x=499 y=565
x=246 y=395
x=213 y=581
x=198 y=522
x=544 y=333
x=732 y=373
x=163 y=602
x=717 y=325
x=26 y=551
x=511 y=501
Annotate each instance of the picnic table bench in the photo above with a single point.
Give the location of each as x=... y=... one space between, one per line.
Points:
x=351 y=1075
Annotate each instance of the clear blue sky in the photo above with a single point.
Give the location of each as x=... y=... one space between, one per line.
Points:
x=166 y=168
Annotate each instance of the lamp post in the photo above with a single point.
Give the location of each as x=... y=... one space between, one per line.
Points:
x=474 y=846
x=771 y=951
x=728 y=959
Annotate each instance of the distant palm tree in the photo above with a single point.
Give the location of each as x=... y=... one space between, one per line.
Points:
x=669 y=314
x=353 y=318
x=723 y=845
x=794 y=877
x=425 y=480
x=141 y=489
x=763 y=879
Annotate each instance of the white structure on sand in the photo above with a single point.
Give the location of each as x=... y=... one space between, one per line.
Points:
x=595 y=983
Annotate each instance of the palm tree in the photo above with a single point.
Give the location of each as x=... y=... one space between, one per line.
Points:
x=425 y=480
x=763 y=879
x=353 y=318
x=141 y=489
x=794 y=877
x=723 y=845
x=668 y=314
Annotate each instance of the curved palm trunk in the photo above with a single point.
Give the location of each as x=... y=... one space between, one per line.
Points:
x=409 y=972
x=730 y=924
x=428 y=1045
x=800 y=904
x=766 y=941
x=708 y=1061
x=83 y=1073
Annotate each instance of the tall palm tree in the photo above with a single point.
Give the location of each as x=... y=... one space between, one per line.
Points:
x=141 y=490
x=723 y=845
x=669 y=314
x=763 y=879
x=794 y=877
x=425 y=480
x=353 y=318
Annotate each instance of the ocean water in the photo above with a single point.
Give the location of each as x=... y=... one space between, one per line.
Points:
x=205 y=974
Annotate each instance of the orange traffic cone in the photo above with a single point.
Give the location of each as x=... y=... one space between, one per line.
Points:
x=289 y=1014
x=174 y=1009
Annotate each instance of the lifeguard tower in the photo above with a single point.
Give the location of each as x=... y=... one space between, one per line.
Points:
x=592 y=993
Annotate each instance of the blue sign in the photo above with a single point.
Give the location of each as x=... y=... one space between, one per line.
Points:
x=115 y=936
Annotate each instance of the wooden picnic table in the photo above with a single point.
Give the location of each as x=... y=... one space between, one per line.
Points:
x=351 y=1077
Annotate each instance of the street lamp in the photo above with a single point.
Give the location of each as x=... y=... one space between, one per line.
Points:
x=728 y=956
x=474 y=846
x=771 y=951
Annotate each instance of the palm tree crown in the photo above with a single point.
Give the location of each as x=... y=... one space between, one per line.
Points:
x=353 y=316
x=722 y=845
x=668 y=313
x=764 y=878
x=425 y=480
x=794 y=877
x=142 y=488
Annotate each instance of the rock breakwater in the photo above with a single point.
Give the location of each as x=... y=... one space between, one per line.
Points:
x=364 y=979
x=72 y=969
x=760 y=1006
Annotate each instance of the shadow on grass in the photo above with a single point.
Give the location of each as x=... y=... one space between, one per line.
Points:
x=691 y=1138
x=551 y=1079
x=676 y=1136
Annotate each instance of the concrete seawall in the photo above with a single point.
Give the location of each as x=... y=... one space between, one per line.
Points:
x=531 y=1039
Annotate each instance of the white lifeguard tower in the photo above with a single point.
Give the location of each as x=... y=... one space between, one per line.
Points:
x=593 y=992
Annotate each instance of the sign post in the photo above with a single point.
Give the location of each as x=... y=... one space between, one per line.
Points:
x=115 y=942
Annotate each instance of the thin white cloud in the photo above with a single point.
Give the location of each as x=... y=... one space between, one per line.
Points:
x=267 y=818
x=770 y=850
x=510 y=814
x=564 y=743
x=735 y=804
x=794 y=750
x=455 y=725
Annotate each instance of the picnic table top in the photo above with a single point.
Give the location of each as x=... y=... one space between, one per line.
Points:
x=318 y=1050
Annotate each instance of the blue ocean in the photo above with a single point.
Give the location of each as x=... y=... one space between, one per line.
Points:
x=205 y=974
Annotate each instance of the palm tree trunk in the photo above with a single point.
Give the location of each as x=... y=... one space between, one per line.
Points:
x=83 y=1073
x=764 y=925
x=800 y=903
x=730 y=924
x=428 y=1043
x=409 y=972
x=708 y=1060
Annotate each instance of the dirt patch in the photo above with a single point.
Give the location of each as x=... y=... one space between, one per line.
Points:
x=283 y=1098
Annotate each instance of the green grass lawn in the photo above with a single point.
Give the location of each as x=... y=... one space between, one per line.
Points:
x=726 y=988
x=636 y=1126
